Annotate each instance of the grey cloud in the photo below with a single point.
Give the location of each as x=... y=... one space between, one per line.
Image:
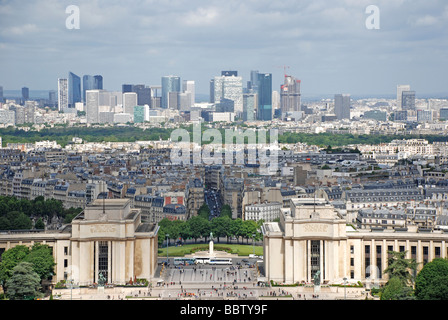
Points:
x=324 y=42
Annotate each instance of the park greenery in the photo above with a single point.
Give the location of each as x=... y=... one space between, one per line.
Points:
x=238 y=249
x=430 y=283
x=19 y=214
x=64 y=135
x=22 y=270
x=200 y=227
x=400 y=272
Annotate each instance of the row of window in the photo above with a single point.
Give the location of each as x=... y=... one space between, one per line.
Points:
x=383 y=193
x=362 y=199
x=378 y=249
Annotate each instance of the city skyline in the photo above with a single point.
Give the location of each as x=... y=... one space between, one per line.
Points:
x=326 y=45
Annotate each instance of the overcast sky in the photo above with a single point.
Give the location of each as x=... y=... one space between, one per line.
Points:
x=324 y=43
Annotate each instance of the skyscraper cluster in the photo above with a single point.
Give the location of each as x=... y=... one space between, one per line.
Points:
x=254 y=100
x=138 y=102
x=70 y=93
x=227 y=92
x=251 y=103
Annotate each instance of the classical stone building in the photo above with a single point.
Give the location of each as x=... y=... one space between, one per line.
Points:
x=312 y=238
x=107 y=238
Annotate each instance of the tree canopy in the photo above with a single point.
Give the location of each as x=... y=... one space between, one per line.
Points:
x=17 y=214
x=24 y=283
x=197 y=227
x=40 y=256
x=432 y=281
x=399 y=267
x=396 y=290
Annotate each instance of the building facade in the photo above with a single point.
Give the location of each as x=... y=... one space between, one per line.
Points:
x=342 y=106
x=264 y=110
x=169 y=84
x=263 y=211
x=74 y=89
x=312 y=241
x=62 y=94
x=290 y=97
x=107 y=238
x=228 y=87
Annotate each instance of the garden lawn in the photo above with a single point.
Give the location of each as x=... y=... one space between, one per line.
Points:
x=239 y=249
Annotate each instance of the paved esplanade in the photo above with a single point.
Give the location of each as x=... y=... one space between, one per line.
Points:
x=211 y=274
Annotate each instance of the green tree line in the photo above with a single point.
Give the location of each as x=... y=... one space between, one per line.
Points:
x=16 y=214
x=63 y=136
x=222 y=227
x=430 y=283
x=22 y=270
x=326 y=139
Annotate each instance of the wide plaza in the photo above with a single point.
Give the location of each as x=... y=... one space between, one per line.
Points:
x=242 y=280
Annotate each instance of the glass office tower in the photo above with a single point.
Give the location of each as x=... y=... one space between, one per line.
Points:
x=74 y=89
x=91 y=83
x=264 y=96
x=88 y=83
x=169 y=84
x=98 y=82
x=25 y=94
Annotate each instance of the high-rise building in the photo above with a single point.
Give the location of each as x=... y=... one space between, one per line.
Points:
x=7 y=117
x=228 y=87
x=229 y=73
x=97 y=104
x=88 y=83
x=252 y=85
x=400 y=115
x=25 y=93
x=173 y=100
x=342 y=106
x=290 y=97
x=400 y=89
x=1 y=94
x=52 y=99
x=98 y=82
x=184 y=101
x=264 y=112
x=141 y=114
x=225 y=105
x=169 y=84
x=424 y=115
x=188 y=86
x=91 y=83
x=62 y=94
x=249 y=106
x=443 y=114
x=127 y=88
x=92 y=106
x=129 y=102
x=116 y=99
x=143 y=94
x=408 y=100
x=74 y=89
x=156 y=92
x=29 y=109
x=19 y=114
